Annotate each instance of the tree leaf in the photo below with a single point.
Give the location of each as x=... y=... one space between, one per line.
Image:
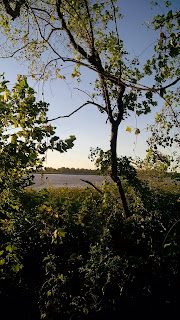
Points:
x=9 y=248
x=137 y=131
x=6 y=94
x=2 y=261
x=128 y=129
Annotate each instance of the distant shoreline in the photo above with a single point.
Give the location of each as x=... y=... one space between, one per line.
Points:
x=68 y=173
x=66 y=170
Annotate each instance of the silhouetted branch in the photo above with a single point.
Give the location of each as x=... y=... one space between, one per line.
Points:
x=13 y=12
x=83 y=105
x=169 y=85
x=92 y=185
x=174 y=224
x=75 y=45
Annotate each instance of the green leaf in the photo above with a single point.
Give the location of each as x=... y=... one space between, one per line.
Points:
x=168 y=3
x=170 y=14
x=16 y=267
x=153 y=3
x=2 y=261
x=9 y=248
x=61 y=232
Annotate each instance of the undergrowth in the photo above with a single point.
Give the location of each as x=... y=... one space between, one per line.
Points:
x=67 y=253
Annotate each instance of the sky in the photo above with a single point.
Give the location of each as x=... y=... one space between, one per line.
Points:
x=89 y=125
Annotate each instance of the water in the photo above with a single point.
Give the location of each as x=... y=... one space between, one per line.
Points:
x=69 y=180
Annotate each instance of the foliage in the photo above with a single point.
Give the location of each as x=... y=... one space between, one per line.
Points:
x=24 y=133
x=67 y=253
x=23 y=142
x=165 y=65
x=76 y=256
x=102 y=163
x=84 y=27
x=88 y=35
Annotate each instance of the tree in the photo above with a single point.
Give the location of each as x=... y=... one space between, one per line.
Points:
x=89 y=32
x=165 y=65
x=23 y=135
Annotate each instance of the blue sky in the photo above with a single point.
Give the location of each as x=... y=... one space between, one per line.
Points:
x=89 y=125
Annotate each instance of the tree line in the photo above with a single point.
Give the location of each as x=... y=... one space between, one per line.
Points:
x=66 y=170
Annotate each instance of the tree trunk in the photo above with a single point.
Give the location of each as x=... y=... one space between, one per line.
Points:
x=114 y=172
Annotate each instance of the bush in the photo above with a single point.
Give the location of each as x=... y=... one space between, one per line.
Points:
x=67 y=253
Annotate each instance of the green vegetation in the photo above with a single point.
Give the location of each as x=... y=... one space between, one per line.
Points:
x=68 y=252
x=23 y=134
x=55 y=36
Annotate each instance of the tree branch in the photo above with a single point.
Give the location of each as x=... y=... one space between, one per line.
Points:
x=173 y=112
x=120 y=104
x=14 y=13
x=92 y=185
x=23 y=47
x=83 y=105
x=115 y=22
x=106 y=99
x=169 y=85
x=174 y=224
x=47 y=64
x=84 y=93
x=39 y=29
x=48 y=22
x=91 y=27
x=51 y=32
x=68 y=32
x=41 y=10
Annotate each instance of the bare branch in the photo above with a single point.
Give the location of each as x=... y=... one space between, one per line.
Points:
x=174 y=224
x=41 y=10
x=85 y=93
x=83 y=105
x=92 y=185
x=51 y=32
x=48 y=22
x=170 y=85
x=142 y=87
x=52 y=60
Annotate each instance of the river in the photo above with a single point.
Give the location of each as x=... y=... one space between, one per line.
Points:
x=70 y=180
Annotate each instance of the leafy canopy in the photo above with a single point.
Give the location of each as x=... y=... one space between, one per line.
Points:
x=25 y=134
x=50 y=34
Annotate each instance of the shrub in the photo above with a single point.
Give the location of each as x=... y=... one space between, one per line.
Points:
x=70 y=254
